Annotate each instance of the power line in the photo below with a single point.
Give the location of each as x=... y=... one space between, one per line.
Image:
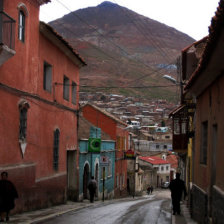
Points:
x=115 y=59
x=143 y=31
x=82 y=20
x=126 y=87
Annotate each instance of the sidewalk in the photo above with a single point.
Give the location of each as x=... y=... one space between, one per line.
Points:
x=185 y=217
x=48 y=213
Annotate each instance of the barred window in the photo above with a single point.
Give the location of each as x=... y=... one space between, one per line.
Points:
x=23 y=123
x=56 y=149
x=47 y=77
x=66 y=88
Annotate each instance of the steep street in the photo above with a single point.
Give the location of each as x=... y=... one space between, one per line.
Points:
x=149 y=209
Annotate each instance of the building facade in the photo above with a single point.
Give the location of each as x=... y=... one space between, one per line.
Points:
x=39 y=104
x=115 y=128
x=99 y=162
x=206 y=85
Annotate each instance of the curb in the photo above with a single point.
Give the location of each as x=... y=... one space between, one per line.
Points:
x=47 y=217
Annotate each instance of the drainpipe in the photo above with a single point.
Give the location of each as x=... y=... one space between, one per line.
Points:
x=1 y=6
x=1 y=10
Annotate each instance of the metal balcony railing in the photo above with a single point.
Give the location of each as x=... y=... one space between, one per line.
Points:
x=7 y=30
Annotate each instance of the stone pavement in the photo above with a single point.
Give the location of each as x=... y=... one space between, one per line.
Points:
x=185 y=217
x=48 y=213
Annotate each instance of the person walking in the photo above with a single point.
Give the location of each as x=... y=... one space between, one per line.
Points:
x=177 y=188
x=92 y=188
x=8 y=194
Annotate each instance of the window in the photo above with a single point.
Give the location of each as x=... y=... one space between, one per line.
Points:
x=117 y=181
x=176 y=126
x=167 y=168
x=157 y=146
x=74 y=89
x=109 y=173
x=66 y=88
x=162 y=168
x=204 y=142
x=118 y=143
x=165 y=146
x=167 y=136
x=167 y=179
x=23 y=123
x=121 y=181
x=21 y=28
x=183 y=126
x=56 y=149
x=47 y=76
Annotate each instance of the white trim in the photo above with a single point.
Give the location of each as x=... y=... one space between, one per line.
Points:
x=21 y=6
x=51 y=177
x=204 y=192
x=220 y=191
x=16 y=166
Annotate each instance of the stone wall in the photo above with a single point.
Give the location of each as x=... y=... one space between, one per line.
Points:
x=199 y=204
x=217 y=206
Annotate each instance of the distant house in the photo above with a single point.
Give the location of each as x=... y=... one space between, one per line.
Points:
x=116 y=129
x=162 y=129
x=95 y=162
x=39 y=103
x=161 y=166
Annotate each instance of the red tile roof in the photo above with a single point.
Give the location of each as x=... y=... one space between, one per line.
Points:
x=172 y=159
x=215 y=28
x=155 y=160
x=106 y=113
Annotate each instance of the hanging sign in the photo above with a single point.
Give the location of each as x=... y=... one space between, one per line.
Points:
x=104 y=161
x=94 y=144
x=129 y=154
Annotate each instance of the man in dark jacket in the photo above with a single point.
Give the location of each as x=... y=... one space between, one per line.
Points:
x=8 y=194
x=92 y=188
x=177 y=188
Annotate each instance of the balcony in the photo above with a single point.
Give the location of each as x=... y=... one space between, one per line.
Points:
x=7 y=37
x=180 y=129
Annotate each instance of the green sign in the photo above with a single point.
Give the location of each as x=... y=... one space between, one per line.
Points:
x=94 y=144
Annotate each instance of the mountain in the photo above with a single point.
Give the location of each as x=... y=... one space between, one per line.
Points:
x=123 y=49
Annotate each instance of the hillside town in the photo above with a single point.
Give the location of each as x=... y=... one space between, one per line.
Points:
x=54 y=137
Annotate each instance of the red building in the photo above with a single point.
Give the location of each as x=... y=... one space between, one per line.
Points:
x=116 y=129
x=38 y=107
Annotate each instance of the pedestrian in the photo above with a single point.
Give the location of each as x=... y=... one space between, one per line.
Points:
x=177 y=188
x=151 y=189
x=8 y=194
x=92 y=188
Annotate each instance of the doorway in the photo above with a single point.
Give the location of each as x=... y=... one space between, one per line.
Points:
x=97 y=178
x=72 y=193
x=85 y=181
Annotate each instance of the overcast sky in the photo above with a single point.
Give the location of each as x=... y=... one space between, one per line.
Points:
x=192 y=17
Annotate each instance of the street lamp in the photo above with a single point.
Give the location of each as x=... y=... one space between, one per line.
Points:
x=173 y=80
x=170 y=78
